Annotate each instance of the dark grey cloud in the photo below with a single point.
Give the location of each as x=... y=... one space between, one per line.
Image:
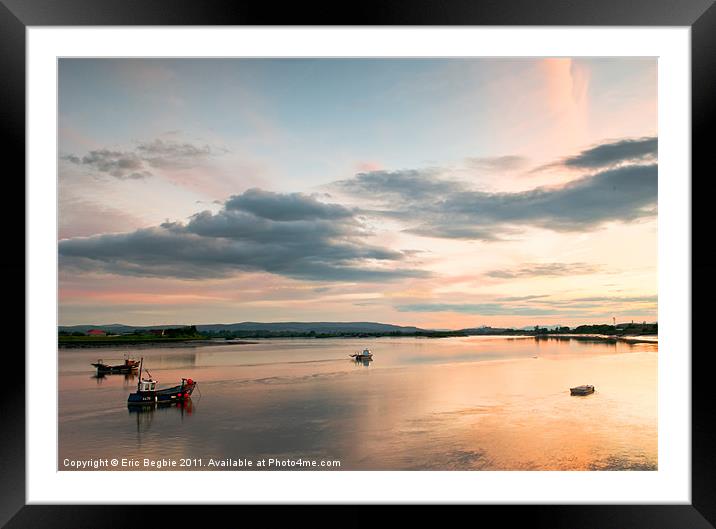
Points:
x=497 y=163
x=119 y=164
x=622 y=193
x=137 y=163
x=405 y=185
x=448 y=209
x=545 y=269
x=312 y=241
x=294 y=206
x=453 y=231
x=610 y=154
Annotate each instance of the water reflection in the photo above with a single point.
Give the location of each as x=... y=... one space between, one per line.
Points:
x=362 y=361
x=184 y=358
x=145 y=413
x=598 y=339
x=583 y=339
x=128 y=378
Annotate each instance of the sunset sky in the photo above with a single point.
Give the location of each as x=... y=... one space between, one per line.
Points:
x=441 y=193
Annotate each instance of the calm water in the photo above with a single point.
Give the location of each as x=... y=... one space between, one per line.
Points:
x=478 y=403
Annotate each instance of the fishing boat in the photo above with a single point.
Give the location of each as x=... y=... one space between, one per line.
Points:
x=130 y=365
x=365 y=355
x=148 y=394
x=581 y=390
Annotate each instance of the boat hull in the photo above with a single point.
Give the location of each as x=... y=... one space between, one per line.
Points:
x=122 y=370
x=141 y=398
x=162 y=396
x=581 y=391
x=129 y=366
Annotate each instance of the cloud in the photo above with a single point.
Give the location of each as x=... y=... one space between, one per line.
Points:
x=294 y=206
x=172 y=154
x=435 y=207
x=301 y=238
x=523 y=298
x=119 y=164
x=620 y=299
x=545 y=269
x=483 y=309
x=136 y=164
x=82 y=217
x=405 y=185
x=454 y=231
x=611 y=154
x=616 y=194
x=596 y=302
x=538 y=306
x=497 y=163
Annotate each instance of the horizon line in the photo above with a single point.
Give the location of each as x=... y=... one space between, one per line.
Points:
x=345 y=322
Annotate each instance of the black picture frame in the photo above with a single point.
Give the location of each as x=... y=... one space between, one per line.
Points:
x=699 y=15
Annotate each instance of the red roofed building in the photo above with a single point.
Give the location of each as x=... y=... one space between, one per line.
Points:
x=96 y=332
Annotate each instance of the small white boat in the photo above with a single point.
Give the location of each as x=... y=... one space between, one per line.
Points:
x=365 y=355
x=582 y=390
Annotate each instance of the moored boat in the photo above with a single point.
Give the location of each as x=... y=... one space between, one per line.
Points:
x=365 y=355
x=130 y=365
x=582 y=390
x=148 y=394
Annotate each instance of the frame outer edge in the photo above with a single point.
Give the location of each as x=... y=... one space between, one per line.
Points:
x=12 y=127
x=12 y=121
x=366 y=12
x=703 y=115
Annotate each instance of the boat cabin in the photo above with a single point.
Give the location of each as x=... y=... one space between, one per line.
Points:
x=147 y=385
x=365 y=355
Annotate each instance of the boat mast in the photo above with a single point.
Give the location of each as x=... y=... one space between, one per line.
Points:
x=139 y=384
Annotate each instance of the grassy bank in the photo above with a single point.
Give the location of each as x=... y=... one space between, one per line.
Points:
x=104 y=341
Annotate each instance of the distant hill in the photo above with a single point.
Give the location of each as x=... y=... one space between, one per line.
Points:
x=299 y=327
x=319 y=327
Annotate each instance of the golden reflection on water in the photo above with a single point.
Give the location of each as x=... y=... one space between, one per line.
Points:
x=479 y=403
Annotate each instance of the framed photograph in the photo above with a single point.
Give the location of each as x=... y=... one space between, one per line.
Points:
x=417 y=256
